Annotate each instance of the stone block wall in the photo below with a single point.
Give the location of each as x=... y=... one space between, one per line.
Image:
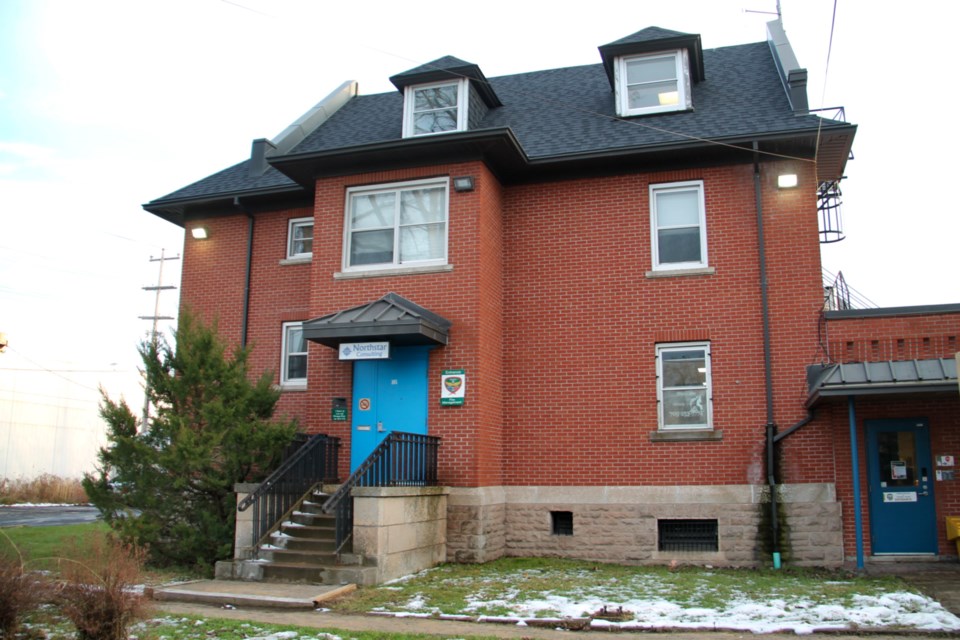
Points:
x=400 y=530
x=476 y=524
x=619 y=524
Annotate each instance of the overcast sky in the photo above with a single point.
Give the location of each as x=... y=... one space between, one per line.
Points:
x=105 y=105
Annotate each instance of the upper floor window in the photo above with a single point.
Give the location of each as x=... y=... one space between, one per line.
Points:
x=678 y=225
x=300 y=238
x=652 y=83
x=293 y=367
x=435 y=108
x=684 y=386
x=395 y=225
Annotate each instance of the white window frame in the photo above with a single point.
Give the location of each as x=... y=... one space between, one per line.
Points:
x=680 y=59
x=409 y=102
x=285 y=380
x=292 y=224
x=396 y=187
x=676 y=187
x=708 y=384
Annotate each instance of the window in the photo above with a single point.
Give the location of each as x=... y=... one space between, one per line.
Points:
x=293 y=368
x=300 y=238
x=397 y=225
x=435 y=108
x=652 y=83
x=683 y=386
x=561 y=523
x=678 y=226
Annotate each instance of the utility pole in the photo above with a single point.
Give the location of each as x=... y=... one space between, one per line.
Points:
x=156 y=317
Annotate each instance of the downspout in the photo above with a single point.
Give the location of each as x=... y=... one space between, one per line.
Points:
x=855 y=464
x=244 y=321
x=771 y=427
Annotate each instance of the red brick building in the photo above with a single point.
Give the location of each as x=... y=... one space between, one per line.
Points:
x=620 y=264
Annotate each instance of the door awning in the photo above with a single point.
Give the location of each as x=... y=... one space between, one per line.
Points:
x=879 y=378
x=392 y=318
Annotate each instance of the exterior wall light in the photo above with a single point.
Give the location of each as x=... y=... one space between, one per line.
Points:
x=787 y=180
x=199 y=233
x=463 y=183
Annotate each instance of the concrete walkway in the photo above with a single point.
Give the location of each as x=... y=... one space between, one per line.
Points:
x=330 y=621
x=249 y=594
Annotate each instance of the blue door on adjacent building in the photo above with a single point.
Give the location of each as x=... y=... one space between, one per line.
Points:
x=902 y=511
x=388 y=395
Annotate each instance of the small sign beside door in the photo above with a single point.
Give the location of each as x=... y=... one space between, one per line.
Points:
x=364 y=350
x=453 y=387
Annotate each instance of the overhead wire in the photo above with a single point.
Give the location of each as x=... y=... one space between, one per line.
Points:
x=826 y=75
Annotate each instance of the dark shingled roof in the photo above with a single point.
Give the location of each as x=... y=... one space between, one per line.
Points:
x=555 y=115
x=571 y=111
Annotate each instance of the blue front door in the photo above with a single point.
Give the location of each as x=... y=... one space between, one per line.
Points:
x=902 y=511
x=388 y=395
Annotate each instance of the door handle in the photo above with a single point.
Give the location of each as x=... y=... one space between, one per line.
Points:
x=379 y=427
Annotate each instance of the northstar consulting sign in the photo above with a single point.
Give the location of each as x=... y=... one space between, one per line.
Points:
x=364 y=350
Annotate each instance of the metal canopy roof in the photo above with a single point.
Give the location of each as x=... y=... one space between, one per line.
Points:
x=392 y=318
x=874 y=378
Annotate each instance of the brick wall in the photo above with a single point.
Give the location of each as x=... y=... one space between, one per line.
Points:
x=582 y=320
x=555 y=321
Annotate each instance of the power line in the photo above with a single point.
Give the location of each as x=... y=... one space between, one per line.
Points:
x=54 y=372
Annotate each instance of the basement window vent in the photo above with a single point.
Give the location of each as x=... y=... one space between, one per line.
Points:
x=687 y=535
x=561 y=523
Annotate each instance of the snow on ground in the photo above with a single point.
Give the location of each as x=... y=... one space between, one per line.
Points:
x=898 y=610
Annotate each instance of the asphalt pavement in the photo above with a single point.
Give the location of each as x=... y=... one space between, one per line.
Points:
x=47 y=516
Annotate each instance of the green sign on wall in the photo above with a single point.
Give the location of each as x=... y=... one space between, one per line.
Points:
x=453 y=387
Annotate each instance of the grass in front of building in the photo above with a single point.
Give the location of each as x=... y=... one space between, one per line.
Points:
x=556 y=585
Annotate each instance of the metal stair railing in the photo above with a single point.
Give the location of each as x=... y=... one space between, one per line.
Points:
x=400 y=460
x=314 y=462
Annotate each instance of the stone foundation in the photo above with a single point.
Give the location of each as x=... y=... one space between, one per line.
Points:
x=476 y=524
x=619 y=524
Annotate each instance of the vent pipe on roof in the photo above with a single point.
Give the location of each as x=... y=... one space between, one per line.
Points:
x=794 y=77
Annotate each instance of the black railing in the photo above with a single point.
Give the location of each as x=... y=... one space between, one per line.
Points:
x=316 y=461
x=401 y=460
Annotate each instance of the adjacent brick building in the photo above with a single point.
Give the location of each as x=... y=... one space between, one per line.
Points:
x=622 y=259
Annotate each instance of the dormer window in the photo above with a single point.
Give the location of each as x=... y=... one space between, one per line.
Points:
x=435 y=108
x=652 y=83
x=653 y=70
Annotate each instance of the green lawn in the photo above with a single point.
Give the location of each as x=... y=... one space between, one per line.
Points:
x=41 y=546
x=491 y=589
x=37 y=543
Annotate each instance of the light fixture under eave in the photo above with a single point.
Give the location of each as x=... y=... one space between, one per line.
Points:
x=199 y=233
x=463 y=183
x=787 y=180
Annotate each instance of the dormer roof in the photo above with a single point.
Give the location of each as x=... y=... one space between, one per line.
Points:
x=652 y=40
x=448 y=68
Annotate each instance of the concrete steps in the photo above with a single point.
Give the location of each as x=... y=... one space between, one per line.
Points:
x=302 y=550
